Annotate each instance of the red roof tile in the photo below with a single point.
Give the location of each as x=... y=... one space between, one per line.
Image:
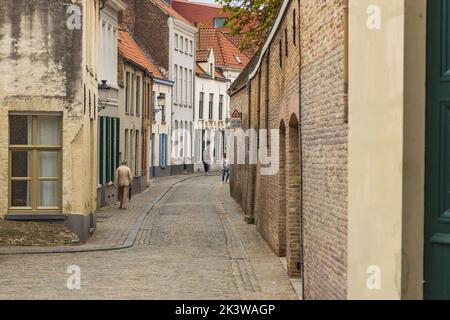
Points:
x=199 y=14
x=169 y=10
x=131 y=50
x=225 y=50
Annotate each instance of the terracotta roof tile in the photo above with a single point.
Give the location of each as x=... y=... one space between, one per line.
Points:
x=225 y=51
x=131 y=50
x=199 y=14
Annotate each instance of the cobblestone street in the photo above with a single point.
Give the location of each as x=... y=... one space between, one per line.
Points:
x=193 y=244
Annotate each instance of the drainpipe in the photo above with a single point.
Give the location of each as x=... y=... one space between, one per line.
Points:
x=302 y=247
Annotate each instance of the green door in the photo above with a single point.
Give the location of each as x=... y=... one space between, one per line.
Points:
x=437 y=199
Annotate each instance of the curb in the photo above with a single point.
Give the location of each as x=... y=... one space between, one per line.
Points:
x=129 y=242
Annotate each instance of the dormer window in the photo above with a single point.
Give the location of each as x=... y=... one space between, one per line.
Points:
x=238 y=59
x=211 y=69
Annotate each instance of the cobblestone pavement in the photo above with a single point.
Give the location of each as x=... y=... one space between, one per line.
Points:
x=193 y=245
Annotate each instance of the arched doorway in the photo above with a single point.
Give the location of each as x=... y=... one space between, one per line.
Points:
x=282 y=238
x=293 y=199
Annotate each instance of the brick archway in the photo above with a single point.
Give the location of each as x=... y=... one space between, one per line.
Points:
x=282 y=238
x=293 y=198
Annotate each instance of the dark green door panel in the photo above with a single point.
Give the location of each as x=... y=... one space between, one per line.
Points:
x=437 y=191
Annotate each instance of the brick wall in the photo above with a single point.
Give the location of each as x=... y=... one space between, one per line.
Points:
x=324 y=136
x=128 y=17
x=323 y=142
x=152 y=30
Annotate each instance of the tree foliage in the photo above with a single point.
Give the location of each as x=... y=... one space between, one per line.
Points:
x=252 y=19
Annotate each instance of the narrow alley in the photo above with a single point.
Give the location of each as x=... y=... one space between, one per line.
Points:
x=193 y=244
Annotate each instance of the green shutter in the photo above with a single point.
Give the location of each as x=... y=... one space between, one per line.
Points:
x=101 y=149
x=108 y=149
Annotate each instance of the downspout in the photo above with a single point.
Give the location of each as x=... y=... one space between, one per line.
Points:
x=302 y=247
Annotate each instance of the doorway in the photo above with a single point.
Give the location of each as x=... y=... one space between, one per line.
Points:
x=437 y=179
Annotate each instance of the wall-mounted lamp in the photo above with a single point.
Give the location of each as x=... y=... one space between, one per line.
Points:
x=103 y=94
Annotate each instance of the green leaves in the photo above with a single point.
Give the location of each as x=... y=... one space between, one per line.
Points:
x=252 y=19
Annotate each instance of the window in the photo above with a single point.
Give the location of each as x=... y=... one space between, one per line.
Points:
x=153 y=106
x=181 y=43
x=186 y=42
x=181 y=86
x=175 y=88
x=191 y=47
x=138 y=95
x=126 y=144
x=286 y=41
x=127 y=93
x=200 y=105
x=176 y=41
x=211 y=104
x=238 y=59
x=294 y=28
x=185 y=87
x=35 y=161
x=280 y=53
x=221 y=107
x=190 y=88
x=136 y=154
x=211 y=71
x=133 y=84
x=219 y=22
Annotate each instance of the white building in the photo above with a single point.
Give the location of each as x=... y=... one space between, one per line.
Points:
x=109 y=117
x=212 y=109
x=182 y=73
x=219 y=63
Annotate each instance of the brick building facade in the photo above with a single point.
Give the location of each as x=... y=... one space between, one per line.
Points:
x=310 y=185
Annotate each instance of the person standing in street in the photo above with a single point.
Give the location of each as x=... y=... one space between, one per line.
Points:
x=207 y=157
x=124 y=180
x=225 y=169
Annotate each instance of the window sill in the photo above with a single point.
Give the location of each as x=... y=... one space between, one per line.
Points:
x=35 y=216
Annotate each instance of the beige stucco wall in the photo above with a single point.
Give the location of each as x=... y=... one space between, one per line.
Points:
x=386 y=104
x=47 y=75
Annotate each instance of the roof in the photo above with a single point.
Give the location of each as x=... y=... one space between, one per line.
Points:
x=167 y=9
x=225 y=51
x=199 y=14
x=132 y=51
x=218 y=75
x=242 y=79
x=202 y=55
x=280 y=15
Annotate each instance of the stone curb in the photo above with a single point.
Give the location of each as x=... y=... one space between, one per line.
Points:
x=129 y=242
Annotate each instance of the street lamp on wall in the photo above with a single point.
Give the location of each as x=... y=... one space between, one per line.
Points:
x=102 y=6
x=103 y=92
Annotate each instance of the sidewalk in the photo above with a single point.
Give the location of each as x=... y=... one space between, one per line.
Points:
x=116 y=229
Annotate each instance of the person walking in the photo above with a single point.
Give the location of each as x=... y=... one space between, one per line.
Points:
x=225 y=169
x=207 y=157
x=123 y=182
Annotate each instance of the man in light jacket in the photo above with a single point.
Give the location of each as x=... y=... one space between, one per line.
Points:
x=124 y=179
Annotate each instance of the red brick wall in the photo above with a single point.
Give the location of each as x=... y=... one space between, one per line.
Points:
x=152 y=30
x=324 y=149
